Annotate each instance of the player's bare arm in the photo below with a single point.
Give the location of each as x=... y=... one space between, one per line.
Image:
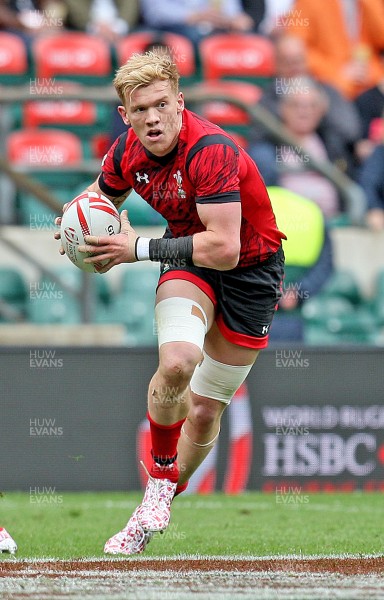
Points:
x=218 y=247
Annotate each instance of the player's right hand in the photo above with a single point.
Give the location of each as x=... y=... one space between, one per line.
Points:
x=56 y=235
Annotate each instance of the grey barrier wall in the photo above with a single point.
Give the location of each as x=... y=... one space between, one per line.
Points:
x=70 y=416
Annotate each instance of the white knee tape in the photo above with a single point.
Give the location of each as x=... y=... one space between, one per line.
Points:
x=180 y=320
x=216 y=380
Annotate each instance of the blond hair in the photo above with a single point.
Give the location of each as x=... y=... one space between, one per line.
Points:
x=142 y=70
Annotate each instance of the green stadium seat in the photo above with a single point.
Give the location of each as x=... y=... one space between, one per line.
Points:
x=50 y=303
x=133 y=305
x=378 y=299
x=73 y=277
x=336 y=318
x=343 y=284
x=37 y=215
x=319 y=309
x=140 y=281
x=141 y=213
x=13 y=289
x=317 y=335
x=136 y=314
x=52 y=307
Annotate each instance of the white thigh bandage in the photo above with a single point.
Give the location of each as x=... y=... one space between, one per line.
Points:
x=180 y=320
x=216 y=380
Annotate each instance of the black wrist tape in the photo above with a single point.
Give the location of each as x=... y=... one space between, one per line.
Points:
x=175 y=251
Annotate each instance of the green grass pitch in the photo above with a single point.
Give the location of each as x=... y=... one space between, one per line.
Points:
x=76 y=525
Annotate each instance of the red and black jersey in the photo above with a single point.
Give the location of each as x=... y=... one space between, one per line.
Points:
x=206 y=166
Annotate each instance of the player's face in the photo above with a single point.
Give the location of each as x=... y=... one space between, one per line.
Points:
x=155 y=114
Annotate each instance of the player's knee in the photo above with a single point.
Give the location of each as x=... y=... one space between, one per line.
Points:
x=178 y=362
x=205 y=415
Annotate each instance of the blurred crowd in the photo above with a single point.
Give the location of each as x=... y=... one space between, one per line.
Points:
x=328 y=89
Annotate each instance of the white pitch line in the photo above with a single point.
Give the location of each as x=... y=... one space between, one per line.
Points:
x=219 y=557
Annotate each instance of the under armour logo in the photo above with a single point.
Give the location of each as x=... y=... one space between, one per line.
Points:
x=264 y=330
x=144 y=177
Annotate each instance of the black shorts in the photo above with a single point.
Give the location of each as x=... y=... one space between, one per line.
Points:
x=245 y=298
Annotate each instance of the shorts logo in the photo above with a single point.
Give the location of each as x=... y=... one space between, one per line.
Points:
x=144 y=177
x=264 y=330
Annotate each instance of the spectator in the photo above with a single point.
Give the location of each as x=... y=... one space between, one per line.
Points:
x=370 y=105
x=108 y=18
x=340 y=127
x=301 y=111
x=372 y=181
x=256 y=10
x=195 y=19
x=28 y=17
x=306 y=271
x=343 y=40
x=275 y=16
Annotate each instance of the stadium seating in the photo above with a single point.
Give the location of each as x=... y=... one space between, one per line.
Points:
x=52 y=303
x=226 y=114
x=43 y=153
x=74 y=56
x=48 y=148
x=339 y=314
x=237 y=56
x=378 y=300
x=180 y=47
x=141 y=213
x=13 y=289
x=143 y=279
x=343 y=284
x=14 y=67
x=133 y=305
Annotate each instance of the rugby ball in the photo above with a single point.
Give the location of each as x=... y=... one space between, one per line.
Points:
x=87 y=214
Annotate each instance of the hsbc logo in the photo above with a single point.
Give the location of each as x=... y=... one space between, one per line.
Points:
x=319 y=454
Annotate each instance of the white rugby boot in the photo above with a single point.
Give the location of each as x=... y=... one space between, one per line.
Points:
x=7 y=543
x=154 y=512
x=130 y=540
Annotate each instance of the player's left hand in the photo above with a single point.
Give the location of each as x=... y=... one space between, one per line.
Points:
x=119 y=248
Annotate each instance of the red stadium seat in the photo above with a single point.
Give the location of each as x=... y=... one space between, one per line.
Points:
x=13 y=58
x=237 y=55
x=224 y=113
x=63 y=112
x=72 y=55
x=181 y=49
x=44 y=147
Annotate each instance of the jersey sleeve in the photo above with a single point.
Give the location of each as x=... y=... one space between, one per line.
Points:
x=213 y=170
x=111 y=180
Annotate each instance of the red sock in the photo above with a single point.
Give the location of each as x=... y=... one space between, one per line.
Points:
x=164 y=449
